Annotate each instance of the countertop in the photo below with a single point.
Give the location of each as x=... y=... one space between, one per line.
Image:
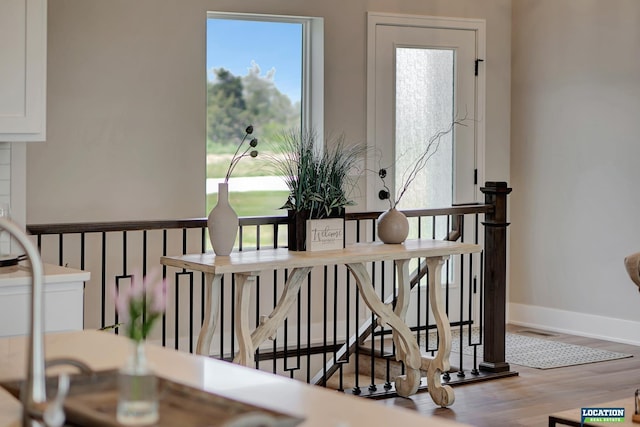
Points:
x=52 y=274
x=320 y=407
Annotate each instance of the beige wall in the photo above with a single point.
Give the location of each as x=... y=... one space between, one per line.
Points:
x=574 y=163
x=126 y=99
x=126 y=125
x=125 y=114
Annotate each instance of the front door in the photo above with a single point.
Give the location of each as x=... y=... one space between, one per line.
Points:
x=422 y=78
x=423 y=74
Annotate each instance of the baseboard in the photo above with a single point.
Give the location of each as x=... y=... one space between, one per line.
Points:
x=574 y=323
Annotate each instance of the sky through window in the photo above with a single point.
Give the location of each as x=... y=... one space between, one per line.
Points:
x=234 y=44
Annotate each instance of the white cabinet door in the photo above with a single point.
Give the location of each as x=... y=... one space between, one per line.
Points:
x=23 y=47
x=63 y=299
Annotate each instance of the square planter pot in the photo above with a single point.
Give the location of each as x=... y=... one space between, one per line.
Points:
x=297 y=230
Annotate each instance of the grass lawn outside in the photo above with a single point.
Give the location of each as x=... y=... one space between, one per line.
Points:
x=253 y=203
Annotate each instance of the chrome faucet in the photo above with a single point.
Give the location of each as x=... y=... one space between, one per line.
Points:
x=34 y=394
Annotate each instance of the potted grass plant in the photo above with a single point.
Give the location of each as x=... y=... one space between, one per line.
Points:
x=320 y=182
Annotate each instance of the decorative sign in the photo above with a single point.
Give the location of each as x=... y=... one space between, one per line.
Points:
x=325 y=234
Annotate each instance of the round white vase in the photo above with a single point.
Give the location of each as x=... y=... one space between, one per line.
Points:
x=222 y=223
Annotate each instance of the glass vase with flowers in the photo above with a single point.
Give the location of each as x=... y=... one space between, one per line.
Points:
x=138 y=307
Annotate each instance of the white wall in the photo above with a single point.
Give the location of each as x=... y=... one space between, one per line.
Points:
x=126 y=99
x=574 y=163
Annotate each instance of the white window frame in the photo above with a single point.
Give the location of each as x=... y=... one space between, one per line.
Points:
x=312 y=91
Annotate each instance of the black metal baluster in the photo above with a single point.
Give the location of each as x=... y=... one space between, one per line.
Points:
x=60 y=250
x=222 y=306
x=335 y=313
x=461 y=373
x=177 y=310
x=309 y=329
x=372 y=358
x=82 y=250
x=324 y=324
x=164 y=276
x=104 y=281
x=275 y=300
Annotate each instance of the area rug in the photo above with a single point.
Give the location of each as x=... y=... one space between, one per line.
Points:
x=525 y=350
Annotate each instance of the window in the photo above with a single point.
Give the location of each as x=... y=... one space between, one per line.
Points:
x=266 y=71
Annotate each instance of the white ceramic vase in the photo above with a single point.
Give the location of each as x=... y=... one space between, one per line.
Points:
x=393 y=226
x=223 y=223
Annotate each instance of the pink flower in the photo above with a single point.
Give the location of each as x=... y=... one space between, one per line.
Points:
x=138 y=287
x=141 y=304
x=159 y=297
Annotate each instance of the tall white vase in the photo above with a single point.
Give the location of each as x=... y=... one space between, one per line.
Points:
x=223 y=223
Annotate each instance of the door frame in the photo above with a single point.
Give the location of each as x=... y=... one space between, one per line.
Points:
x=479 y=26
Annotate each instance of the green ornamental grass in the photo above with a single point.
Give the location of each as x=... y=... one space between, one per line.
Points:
x=319 y=182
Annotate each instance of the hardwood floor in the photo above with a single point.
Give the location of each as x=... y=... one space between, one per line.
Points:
x=528 y=399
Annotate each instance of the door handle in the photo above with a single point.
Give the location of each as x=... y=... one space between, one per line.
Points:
x=383 y=194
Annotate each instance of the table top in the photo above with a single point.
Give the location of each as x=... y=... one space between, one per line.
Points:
x=265 y=259
x=102 y=350
x=574 y=415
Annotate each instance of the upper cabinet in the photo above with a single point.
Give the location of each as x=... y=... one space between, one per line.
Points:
x=23 y=70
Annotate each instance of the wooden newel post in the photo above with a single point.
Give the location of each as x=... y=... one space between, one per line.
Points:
x=495 y=276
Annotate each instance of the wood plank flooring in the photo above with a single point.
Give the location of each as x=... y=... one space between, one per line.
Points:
x=528 y=399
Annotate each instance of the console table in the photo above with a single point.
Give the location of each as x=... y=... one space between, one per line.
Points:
x=248 y=265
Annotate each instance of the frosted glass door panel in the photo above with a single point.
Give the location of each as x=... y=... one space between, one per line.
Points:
x=424 y=106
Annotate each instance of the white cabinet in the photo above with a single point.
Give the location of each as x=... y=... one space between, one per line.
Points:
x=23 y=70
x=63 y=300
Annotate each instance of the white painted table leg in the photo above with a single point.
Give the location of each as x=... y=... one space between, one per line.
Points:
x=246 y=350
x=212 y=306
x=441 y=395
x=402 y=302
x=406 y=385
x=249 y=342
x=404 y=290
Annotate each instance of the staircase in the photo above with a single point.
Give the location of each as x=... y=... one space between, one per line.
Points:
x=385 y=368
